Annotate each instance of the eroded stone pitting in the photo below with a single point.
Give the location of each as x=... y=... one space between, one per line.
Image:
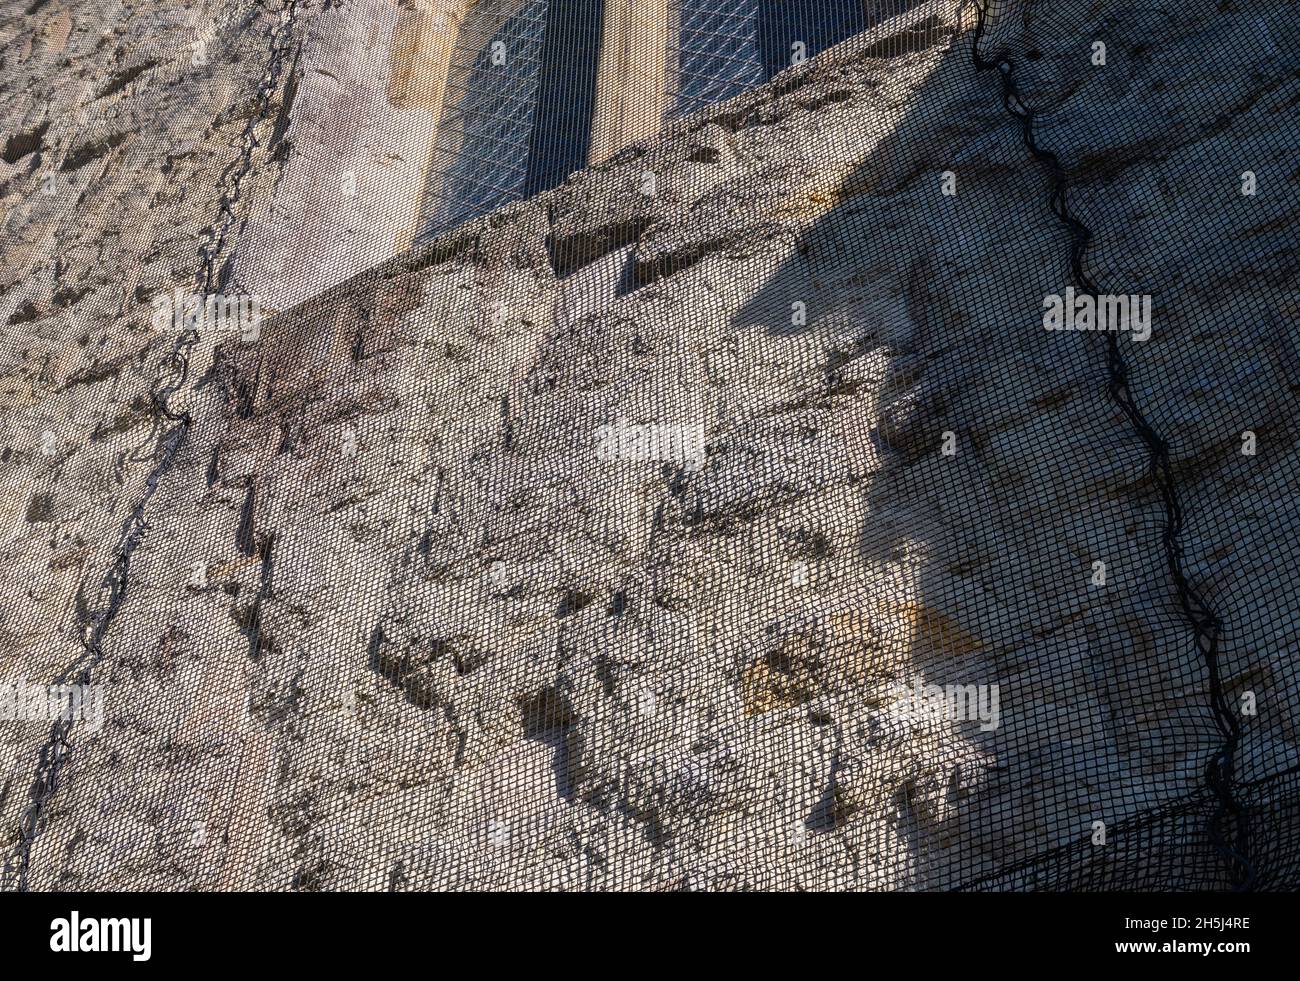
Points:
x=442 y=642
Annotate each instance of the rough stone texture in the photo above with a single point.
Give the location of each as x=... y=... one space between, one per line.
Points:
x=439 y=643
x=125 y=142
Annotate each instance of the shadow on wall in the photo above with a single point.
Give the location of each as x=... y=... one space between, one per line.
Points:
x=1004 y=473
x=922 y=318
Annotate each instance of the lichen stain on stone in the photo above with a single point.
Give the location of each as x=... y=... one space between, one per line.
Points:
x=929 y=625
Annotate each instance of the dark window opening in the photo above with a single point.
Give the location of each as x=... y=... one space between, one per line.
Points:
x=566 y=96
x=819 y=24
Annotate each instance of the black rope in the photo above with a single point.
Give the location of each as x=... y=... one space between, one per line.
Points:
x=1206 y=626
x=56 y=751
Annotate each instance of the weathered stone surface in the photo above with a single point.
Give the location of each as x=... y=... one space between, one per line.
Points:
x=440 y=643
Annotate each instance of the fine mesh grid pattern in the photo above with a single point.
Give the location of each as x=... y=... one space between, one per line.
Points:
x=504 y=135
x=804 y=28
x=616 y=539
x=716 y=52
x=491 y=110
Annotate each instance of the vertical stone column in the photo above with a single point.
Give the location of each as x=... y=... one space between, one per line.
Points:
x=423 y=43
x=632 y=85
x=421 y=63
x=371 y=83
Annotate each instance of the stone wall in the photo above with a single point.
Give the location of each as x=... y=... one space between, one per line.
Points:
x=422 y=603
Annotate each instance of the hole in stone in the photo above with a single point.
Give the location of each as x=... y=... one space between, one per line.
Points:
x=572 y=602
x=546 y=714
x=21 y=144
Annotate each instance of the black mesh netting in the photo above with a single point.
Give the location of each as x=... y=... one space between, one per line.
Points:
x=560 y=444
